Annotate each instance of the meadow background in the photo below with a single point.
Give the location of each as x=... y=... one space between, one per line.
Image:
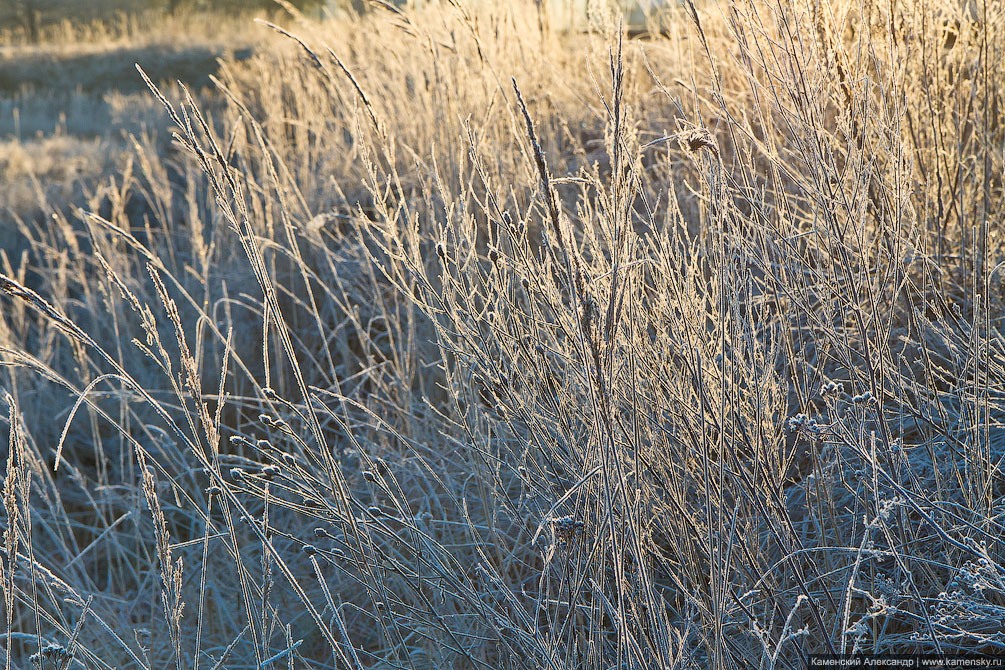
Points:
x=457 y=335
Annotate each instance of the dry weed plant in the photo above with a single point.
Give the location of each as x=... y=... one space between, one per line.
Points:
x=458 y=340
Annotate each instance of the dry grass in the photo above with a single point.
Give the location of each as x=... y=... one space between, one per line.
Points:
x=69 y=101
x=454 y=340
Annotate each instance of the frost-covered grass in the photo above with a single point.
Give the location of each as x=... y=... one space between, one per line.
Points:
x=453 y=340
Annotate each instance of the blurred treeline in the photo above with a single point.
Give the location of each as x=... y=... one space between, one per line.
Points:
x=31 y=16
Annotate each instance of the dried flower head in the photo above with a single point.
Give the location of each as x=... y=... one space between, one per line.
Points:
x=831 y=389
x=697 y=139
x=863 y=398
x=804 y=424
x=54 y=654
x=566 y=528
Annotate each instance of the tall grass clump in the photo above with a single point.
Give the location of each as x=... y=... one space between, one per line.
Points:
x=457 y=339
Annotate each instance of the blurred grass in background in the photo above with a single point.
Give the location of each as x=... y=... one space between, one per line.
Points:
x=33 y=20
x=70 y=94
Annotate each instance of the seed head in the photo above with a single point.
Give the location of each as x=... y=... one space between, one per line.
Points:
x=587 y=313
x=697 y=139
x=831 y=389
x=566 y=528
x=804 y=424
x=55 y=654
x=863 y=398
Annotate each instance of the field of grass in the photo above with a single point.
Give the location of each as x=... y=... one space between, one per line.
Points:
x=448 y=338
x=70 y=101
